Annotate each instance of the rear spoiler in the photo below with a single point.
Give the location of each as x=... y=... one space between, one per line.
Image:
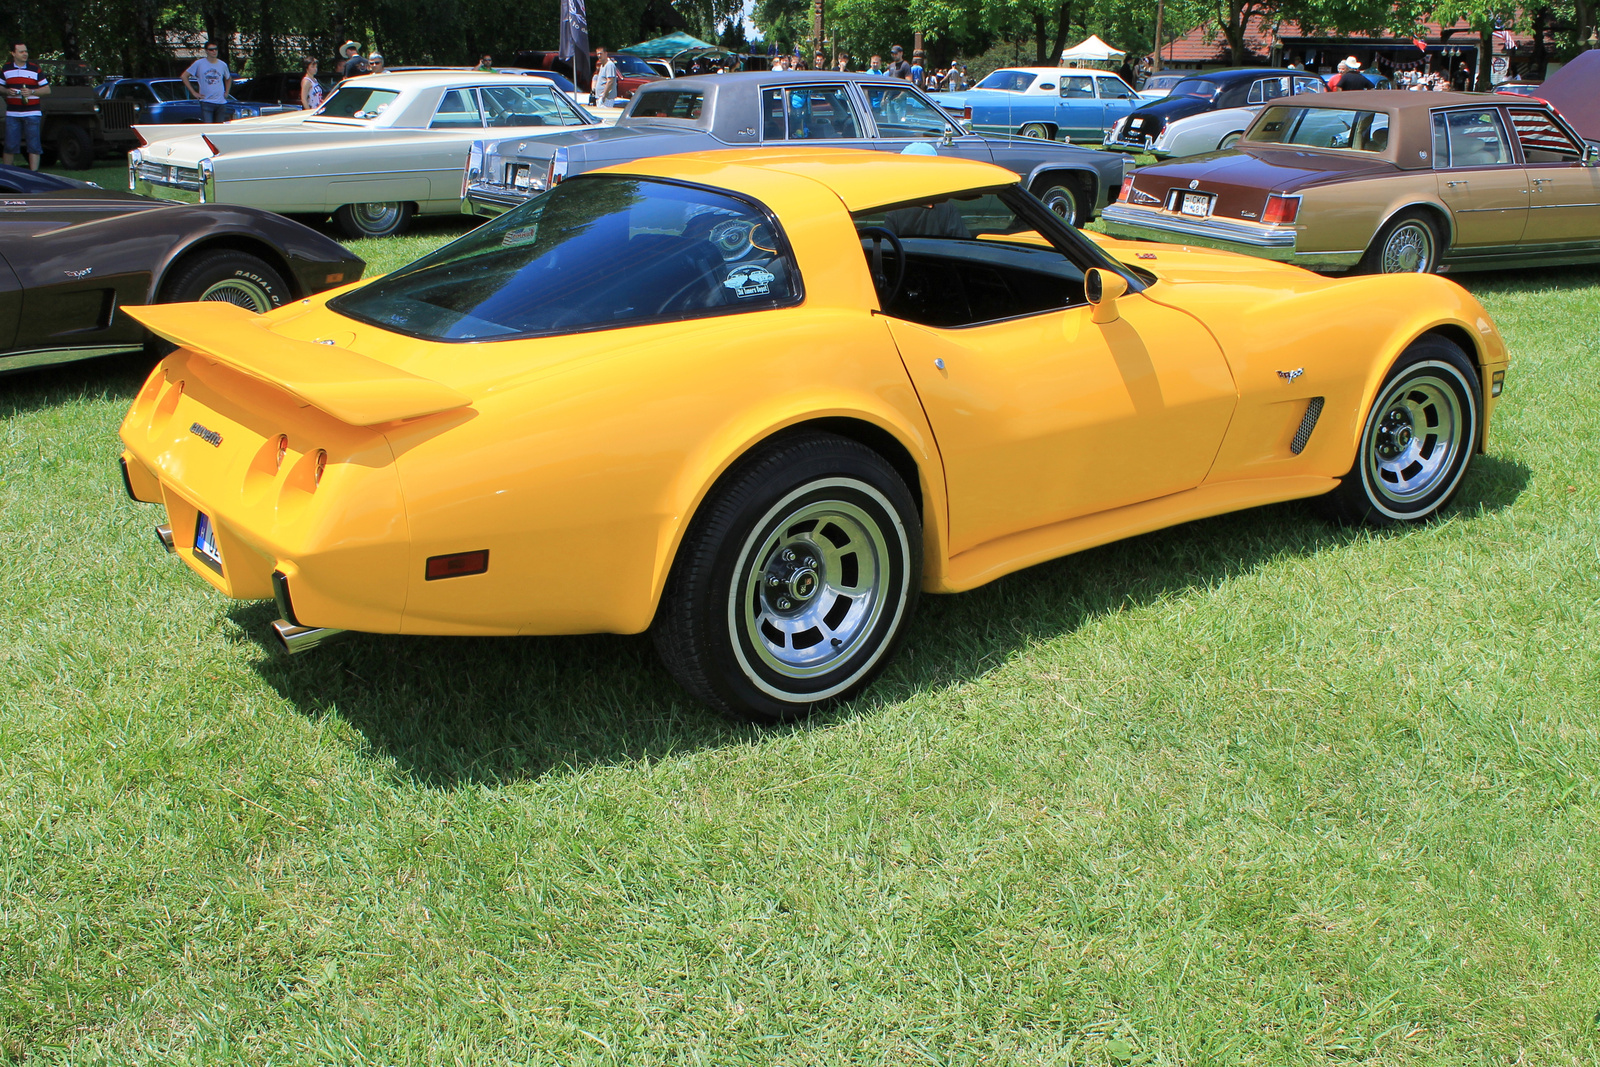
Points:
x=353 y=388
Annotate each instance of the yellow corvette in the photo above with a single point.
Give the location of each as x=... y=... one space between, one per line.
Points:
x=757 y=401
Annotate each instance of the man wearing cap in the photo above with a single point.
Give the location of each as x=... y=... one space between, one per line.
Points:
x=1350 y=77
x=898 y=67
x=354 y=64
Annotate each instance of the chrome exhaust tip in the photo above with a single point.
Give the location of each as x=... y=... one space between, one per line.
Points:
x=294 y=639
x=164 y=535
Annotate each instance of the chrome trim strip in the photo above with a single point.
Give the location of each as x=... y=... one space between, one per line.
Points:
x=44 y=357
x=294 y=639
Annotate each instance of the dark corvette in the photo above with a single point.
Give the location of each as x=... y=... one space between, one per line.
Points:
x=72 y=256
x=1210 y=90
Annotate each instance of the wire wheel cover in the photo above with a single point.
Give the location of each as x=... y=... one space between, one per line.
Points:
x=376 y=218
x=1412 y=444
x=809 y=588
x=241 y=291
x=1408 y=250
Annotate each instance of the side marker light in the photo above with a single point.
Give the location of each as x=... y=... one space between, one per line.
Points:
x=457 y=565
x=1497 y=383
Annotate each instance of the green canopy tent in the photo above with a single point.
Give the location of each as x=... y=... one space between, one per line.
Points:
x=673 y=44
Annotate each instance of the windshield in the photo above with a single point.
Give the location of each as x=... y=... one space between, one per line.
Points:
x=1322 y=127
x=594 y=253
x=166 y=91
x=1195 y=87
x=627 y=64
x=357 y=102
x=1012 y=81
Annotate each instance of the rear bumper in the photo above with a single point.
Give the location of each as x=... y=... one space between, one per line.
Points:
x=1251 y=239
x=491 y=200
x=167 y=181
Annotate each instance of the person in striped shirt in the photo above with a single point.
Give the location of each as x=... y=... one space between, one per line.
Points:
x=24 y=83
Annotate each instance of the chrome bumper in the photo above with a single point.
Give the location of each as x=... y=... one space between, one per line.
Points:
x=1251 y=239
x=1136 y=147
x=188 y=185
x=491 y=200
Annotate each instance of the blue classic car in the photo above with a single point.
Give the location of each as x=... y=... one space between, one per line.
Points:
x=165 y=100
x=1056 y=104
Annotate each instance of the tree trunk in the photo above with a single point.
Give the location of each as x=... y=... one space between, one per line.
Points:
x=1485 y=57
x=1063 y=27
x=1039 y=39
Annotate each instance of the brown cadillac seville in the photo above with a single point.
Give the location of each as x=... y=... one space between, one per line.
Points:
x=1382 y=181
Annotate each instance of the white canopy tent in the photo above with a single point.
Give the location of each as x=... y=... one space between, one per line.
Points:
x=1091 y=50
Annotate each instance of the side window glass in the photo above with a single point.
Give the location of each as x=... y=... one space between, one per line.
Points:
x=1077 y=88
x=1441 y=143
x=1476 y=139
x=515 y=105
x=808 y=113
x=968 y=261
x=1268 y=89
x=900 y=112
x=1542 y=140
x=1115 y=89
x=1309 y=85
x=458 y=110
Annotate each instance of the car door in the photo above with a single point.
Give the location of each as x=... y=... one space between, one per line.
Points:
x=10 y=304
x=1042 y=414
x=1079 y=113
x=1481 y=183
x=1563 y=189
x=1116 y=100
x=900 y=115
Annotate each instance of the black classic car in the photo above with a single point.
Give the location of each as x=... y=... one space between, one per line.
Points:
x=1210 y=90
x=72 y=256
x=814 y=109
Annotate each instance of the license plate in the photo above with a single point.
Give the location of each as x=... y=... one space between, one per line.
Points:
x=205 y=542
x=1197 y=204
x=518 y=176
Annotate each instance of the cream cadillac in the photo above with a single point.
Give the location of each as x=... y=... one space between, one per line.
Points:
x=382 y=148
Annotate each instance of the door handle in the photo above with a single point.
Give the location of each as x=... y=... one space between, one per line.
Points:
x=1452 y=185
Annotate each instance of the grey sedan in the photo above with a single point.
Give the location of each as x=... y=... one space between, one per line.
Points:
x=820 y=109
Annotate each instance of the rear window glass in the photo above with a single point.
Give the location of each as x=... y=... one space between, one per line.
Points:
x=1322 y=127
x=1195 y=87
x=592 y=253
x=1015 y=81
x=357 y=102
x=669 y=104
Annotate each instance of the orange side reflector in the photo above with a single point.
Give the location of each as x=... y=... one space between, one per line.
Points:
x=457 y=565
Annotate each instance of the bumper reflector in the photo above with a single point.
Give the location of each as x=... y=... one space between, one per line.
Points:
x=1497 y=383
x=457 y=565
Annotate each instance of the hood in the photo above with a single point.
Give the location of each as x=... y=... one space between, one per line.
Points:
x=1575 y=92
x=32 y=214
x=1241 y=178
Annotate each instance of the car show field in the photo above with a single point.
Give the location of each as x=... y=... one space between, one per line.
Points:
x=1259 y=789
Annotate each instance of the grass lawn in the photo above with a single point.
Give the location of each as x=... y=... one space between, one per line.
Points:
x=1252 y=791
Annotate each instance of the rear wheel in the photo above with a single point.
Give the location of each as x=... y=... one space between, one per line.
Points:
x=1409 y=244
x=795 y=581
x=1036 y=129
x=373 y=220
x=1064 y=202
x=1230 y=140
x=1417 y=439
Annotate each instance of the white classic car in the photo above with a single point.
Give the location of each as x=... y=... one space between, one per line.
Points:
x=1209 y=131
x=380 y=149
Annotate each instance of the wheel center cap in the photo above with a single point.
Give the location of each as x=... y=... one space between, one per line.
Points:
x=803 y=584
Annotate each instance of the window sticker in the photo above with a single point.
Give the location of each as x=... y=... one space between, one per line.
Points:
x=749 y=281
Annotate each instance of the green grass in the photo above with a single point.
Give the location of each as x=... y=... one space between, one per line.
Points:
x=1252 y=791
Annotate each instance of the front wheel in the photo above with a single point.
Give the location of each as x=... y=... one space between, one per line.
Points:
x=1409 y=244
x=795 y=582
x=1064 y=202
x=233 y=277
x=1417 y=439
x=74 y=147
x=373 y=220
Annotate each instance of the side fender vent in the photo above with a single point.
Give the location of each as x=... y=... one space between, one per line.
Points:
x=1307 y=424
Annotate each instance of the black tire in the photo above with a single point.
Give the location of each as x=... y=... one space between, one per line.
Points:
x=1416 y=441
x=755 y=619
x=1064 y=201
x=74 y=147
x=374 y=220
x=1036 y=129
x=1408 y=244
x=236 y=277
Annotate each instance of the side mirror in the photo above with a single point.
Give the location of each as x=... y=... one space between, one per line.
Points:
x=1102 y=288
x=1591 y=154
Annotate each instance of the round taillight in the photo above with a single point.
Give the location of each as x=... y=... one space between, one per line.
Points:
x=283 y=449
x=322 y=462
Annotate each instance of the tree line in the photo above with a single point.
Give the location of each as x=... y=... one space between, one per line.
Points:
x=259 y=36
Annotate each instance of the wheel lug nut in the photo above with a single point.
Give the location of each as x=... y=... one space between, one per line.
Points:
x=784 y=603
x=772 y=581
x=811 y=561
x=788 y=555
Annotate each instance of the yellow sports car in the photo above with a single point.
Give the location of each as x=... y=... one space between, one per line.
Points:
x=756 y=402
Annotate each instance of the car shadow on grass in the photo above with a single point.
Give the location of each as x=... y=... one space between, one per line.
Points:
x=452 y=711
x=106 y=378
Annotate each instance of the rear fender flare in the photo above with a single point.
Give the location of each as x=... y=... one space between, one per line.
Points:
x=1082 y=179
x=1438 y=212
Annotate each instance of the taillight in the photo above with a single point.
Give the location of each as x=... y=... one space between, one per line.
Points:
x=210 y=145
x=322 y=463
x=1127 y=189
x=1280 y=210
x=283 y=449
x=142 y=141
x=966 y=113
x=557 y=169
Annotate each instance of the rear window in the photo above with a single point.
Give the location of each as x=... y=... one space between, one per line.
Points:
x=594 y=253
x=357 y=102
x=1195 y=87
x=1014 y=81
x=668 y=104
x=1322 y=127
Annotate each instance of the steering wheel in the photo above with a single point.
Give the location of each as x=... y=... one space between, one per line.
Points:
x=880 y=280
